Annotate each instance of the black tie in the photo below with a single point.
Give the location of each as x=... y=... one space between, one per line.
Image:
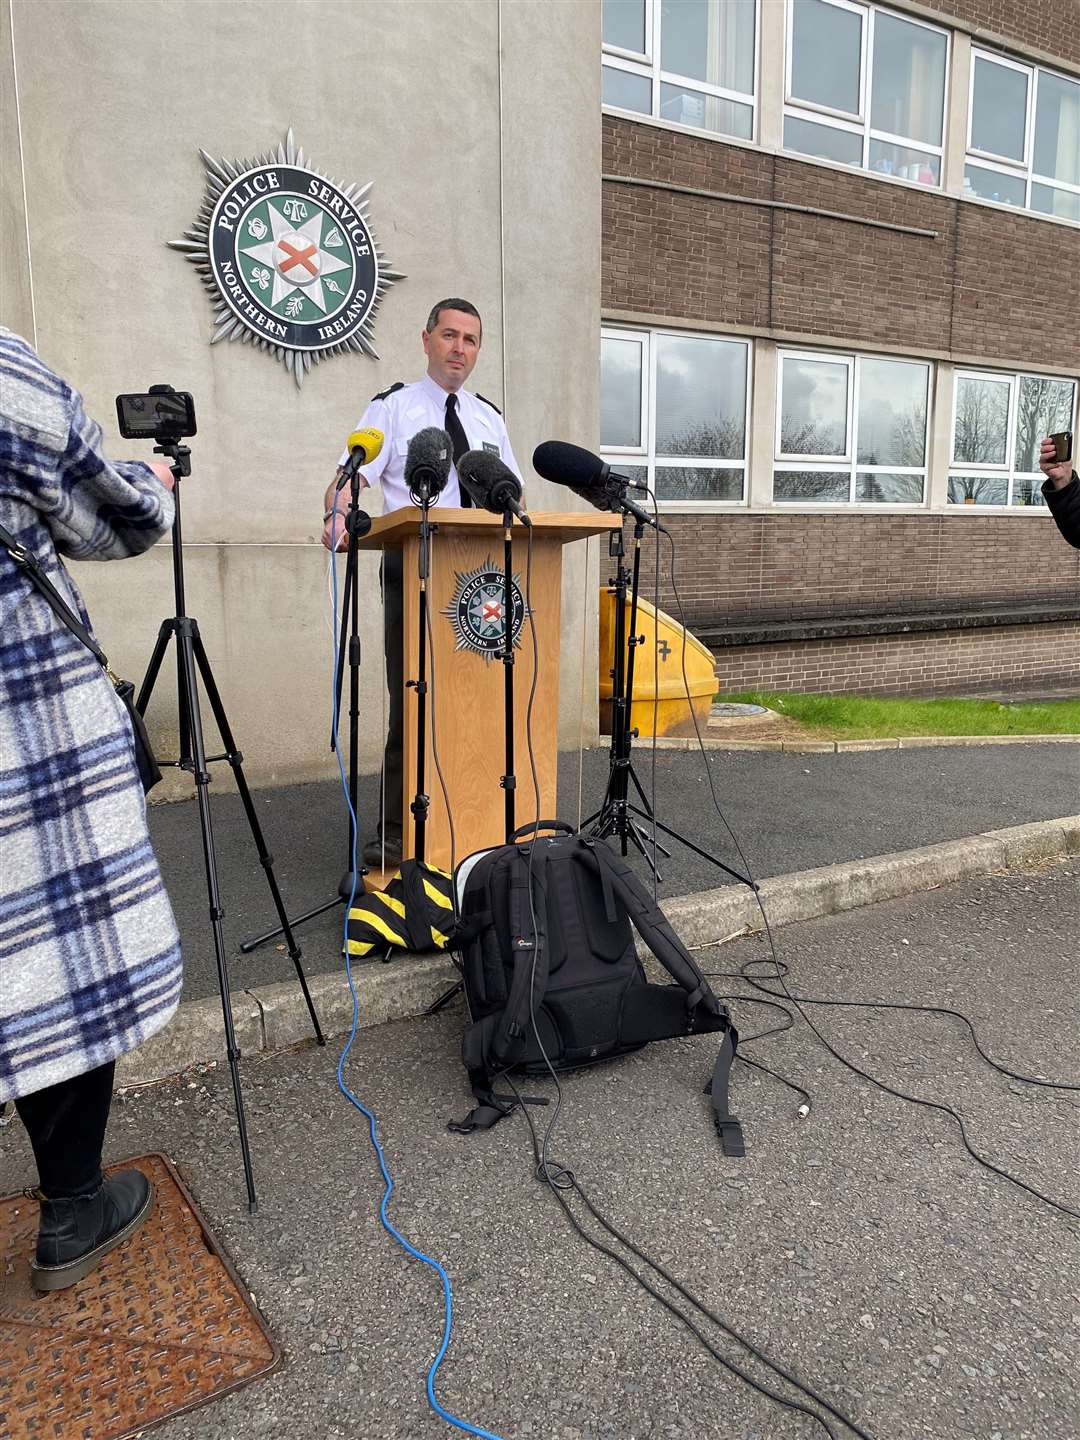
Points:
x=458 y=439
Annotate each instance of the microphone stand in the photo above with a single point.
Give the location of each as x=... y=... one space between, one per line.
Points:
x=618 y=815
x=615 y=815
x=509 y=779
x=421 y=802
x=351 y=882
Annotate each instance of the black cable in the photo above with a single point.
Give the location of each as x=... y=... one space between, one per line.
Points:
x=787 y=995
x=758 y=982
x=551 y=1173
x=560 y=1178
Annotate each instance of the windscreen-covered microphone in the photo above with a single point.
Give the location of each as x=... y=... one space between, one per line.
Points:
x=588 y=476
x=491 y=484
x=427 y=463
x=363 y=446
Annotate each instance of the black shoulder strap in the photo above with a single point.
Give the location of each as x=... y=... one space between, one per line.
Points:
x=654 y=928
x=528 y=982
x=488 y=402
x=397 y=385
x=28 y=562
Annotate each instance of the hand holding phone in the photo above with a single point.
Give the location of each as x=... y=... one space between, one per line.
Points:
x=1055 y=458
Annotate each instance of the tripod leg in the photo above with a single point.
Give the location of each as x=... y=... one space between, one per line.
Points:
x=235 y=759
x=189 y=693
x=160 y=646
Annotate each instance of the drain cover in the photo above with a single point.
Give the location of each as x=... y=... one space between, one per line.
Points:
x=163 y=1324
x=726 y=711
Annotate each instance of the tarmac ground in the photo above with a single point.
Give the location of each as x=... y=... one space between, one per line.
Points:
x=861 y=1246
x=790 y=812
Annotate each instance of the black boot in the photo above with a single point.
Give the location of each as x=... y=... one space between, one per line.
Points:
x=77 y=1233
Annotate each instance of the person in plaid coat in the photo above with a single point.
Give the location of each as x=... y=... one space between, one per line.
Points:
x=89 y=950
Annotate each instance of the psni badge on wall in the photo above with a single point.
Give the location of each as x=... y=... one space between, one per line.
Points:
x=288 y=257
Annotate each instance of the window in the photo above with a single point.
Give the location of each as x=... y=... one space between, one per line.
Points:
x=865 y=87
x=850 y=429
x=674 y=411
x=688 y=61
x=1023 y=137
x=998 y=422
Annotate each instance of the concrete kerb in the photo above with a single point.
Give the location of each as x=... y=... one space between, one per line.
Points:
x=274 y=1017
x=842 y=747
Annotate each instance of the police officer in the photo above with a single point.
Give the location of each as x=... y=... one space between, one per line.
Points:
x=451 y=341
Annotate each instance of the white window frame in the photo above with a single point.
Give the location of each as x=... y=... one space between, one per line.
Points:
x=1006 y=471
x=647 y=65
x=859 y=124
x=849 y=463
x=645 y=455
x=1004 y=165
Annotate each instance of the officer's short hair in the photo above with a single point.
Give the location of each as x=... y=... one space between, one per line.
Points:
x=453 y=303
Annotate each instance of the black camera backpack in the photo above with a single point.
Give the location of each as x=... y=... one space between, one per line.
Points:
x=545 y=936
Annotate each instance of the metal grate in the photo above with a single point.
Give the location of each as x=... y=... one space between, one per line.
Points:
x=163 y=1325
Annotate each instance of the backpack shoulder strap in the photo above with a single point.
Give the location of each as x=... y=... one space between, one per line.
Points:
x=654 y=927
x=703 y=1010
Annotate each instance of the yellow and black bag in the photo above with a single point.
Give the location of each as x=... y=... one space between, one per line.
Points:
x=415 y=912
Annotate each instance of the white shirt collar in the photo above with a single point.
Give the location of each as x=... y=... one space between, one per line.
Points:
x=435 y=392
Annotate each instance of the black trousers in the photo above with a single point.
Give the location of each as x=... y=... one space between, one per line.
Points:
x=66 y=1124
x=393 y=593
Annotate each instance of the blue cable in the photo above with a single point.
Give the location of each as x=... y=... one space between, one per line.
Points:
x=391 y=1230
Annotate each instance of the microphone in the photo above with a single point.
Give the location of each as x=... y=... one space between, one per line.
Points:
x=588 y=476
x=363 y=446
x=427 y=463
x=491 y=484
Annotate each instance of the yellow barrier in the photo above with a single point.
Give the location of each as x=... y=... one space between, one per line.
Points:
x=658 y=671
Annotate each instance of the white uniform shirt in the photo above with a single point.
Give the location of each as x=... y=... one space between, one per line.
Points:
x=402 y=413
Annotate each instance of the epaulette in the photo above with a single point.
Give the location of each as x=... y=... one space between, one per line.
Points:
x=488 y=402
x=397 y=385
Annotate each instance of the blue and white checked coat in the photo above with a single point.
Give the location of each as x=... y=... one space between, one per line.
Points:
x=89 y=952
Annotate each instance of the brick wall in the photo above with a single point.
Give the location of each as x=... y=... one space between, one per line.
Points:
x=739 y=567
x=1020 y=657
x=985 y=285
x=1049 y=25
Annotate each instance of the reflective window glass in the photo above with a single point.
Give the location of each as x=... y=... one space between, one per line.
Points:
x=700 y=397
x=620 y=392
x=825 y=141
x=908 y=79
x=882 y=488
x=892 y=412
x=905 y=163
x=999 y=109
x=626 y=91
x=696 y=482
x=1057 y=129
x=831 y=486
x=813 y=407
x=978 y=489
x=1065 y=204
x=1044 y=406
x=993 y=185
x=710 y=40
x=706 y=112
x=826 y=56
x=982 y=421
x=624 y=24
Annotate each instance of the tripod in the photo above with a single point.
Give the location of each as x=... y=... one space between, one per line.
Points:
x=618 y=815
x=357 y=524
x=191 y=666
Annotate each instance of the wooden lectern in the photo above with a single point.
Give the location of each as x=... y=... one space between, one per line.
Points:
x=466 y=673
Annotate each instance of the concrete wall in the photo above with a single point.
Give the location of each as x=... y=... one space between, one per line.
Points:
x=480 y=128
